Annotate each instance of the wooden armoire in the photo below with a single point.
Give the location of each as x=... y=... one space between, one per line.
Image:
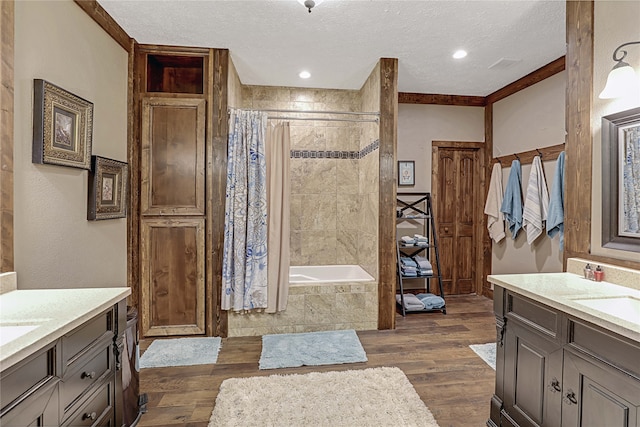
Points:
x=178 y=159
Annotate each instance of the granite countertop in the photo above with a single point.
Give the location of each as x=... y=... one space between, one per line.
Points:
x=31 y=319
x=611 y=306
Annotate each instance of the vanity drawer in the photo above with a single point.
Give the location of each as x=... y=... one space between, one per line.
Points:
x=535 y=315
x=27 y=376
x=81 y=338
x=96 y=366
x=615 y=350
x=97 y=411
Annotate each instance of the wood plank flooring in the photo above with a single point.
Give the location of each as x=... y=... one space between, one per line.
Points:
x=430 y=348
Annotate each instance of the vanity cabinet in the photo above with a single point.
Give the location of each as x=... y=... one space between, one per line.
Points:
x=555 y=370
x=71 y=382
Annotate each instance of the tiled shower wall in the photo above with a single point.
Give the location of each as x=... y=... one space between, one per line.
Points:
x=334 y=193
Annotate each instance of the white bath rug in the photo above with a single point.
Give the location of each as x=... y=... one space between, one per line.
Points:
x=311 y=349
x=367 y=397
x=487 y=352
x=181 y=352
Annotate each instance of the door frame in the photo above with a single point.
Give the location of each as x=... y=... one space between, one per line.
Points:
x=479 y=203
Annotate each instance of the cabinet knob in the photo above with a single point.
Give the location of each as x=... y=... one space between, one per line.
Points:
x=89 y=416
x=91 y=375
x=570 y=398
x=555 y=385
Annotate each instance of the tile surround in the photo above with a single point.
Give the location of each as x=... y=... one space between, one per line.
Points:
x=313 y=308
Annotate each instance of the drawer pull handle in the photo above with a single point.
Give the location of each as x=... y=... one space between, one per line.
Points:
x=91 y=375
x=555 y=385
x=570 y=398
x=92 y=416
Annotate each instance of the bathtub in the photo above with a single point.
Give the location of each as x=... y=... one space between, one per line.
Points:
x=321 y=298
x=328 y=274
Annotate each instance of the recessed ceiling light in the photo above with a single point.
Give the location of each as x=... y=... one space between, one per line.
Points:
x=304 y=74
x=460 y=54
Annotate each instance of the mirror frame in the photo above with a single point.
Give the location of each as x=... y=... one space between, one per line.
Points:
x=611 y=125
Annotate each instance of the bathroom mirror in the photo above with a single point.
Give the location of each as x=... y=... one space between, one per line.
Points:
x=621 y=180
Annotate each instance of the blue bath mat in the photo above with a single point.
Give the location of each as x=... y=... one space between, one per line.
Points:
x=181 y=352
x=311 y=349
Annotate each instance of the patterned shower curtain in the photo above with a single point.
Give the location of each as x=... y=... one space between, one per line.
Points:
x=244 y=268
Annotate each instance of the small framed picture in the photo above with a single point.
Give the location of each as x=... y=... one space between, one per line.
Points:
x=62 y=126
x=406 y=175
x=107 y=189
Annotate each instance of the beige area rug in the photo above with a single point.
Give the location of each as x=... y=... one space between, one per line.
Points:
x=367 y=397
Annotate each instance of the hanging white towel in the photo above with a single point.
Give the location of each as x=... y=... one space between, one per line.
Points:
x=536 y=204
x=495 y=218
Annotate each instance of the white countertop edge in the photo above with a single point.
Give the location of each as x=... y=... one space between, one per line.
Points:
x=16 y=350
x=611 y=323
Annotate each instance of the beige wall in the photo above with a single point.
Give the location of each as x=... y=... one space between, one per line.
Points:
x=55 y=245
x=616 y=22
x=418 y=125
x=529 y=119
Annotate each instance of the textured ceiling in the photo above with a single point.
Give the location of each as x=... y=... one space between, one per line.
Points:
x=271 y=41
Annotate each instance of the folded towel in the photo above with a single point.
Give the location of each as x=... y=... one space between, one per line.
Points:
x=408 y=262
x=495 y=218
x=411 y=302
x=420 y=238
x=423 y=263
x=536 y=204
x=408 y=240
x=512 y=202
x=555 y=217
x=431 y=301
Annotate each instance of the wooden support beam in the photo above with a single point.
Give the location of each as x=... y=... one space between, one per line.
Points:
x=98 y=14
x=435 y=99
x=7 y=35
x=578 y=164
x=530 y=79
x=388 y=129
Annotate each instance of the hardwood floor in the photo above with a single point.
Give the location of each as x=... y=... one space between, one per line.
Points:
x=431 y=348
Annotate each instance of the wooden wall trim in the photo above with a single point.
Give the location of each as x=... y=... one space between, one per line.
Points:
x=487 y=245
x=530 y=79
x=435 y=99
x=578 y=163
x=7 y=36
x=388 y=129
x=216 y=190
x=457 y=144
x=102 y=18
x=133 y=158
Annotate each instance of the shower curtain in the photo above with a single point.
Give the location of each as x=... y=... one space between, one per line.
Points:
x=278 y=191
x=244 y=267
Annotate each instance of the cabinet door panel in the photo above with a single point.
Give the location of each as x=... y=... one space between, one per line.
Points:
x=588 y=397
x=172 y=163
x=172 y=276
x=533 y=369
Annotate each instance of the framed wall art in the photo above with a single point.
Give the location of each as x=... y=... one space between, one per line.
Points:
x=621 y=180
x=108 y=182
x=406 y=172
x=62 y=127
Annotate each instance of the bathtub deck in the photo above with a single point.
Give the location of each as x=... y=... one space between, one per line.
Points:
x=431 y=349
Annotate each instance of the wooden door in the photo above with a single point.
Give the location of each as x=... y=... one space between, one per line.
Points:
x=172 y=241
x=456 y=191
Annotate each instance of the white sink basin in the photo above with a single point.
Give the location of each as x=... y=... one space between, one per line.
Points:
x=9 y=333
x=623 y=307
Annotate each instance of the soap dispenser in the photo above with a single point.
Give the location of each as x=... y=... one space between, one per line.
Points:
x=588 y=272
x=598 y=274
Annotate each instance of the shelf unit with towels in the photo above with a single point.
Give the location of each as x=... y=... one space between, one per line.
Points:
x=417 y=207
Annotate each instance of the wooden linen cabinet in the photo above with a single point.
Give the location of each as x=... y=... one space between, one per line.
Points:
x=173 y=123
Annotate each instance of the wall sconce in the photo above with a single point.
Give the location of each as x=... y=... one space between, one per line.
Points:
x=622 y=78
x=310 y=4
